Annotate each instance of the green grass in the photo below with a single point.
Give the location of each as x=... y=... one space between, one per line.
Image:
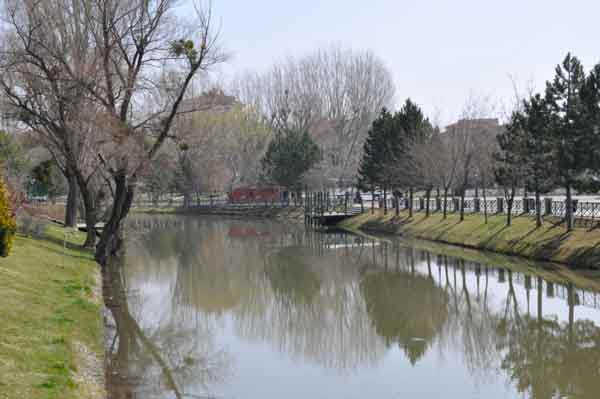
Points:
x=551 y=242
x=47 y=309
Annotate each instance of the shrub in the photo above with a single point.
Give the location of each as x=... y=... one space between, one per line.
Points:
x=8 y=223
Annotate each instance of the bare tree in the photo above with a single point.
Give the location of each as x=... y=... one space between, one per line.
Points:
x=46 y=55
x=466 y=133
x=124 y=58
x=333 y=93
x=447 y=166
x=486 y=144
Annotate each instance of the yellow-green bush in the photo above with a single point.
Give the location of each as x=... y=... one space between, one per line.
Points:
x=8 y=224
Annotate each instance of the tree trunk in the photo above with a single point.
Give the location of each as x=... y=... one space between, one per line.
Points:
x=445 y=202
x=485 y=210
x=509 y=205
x=538 y=211
x=462 y=205
x=72 y=199
x=372 y=202
x=427 y=197
x=90 y=212
x=187 y=200
x=385 y=209
x=111 y=239
x=569 y=209
x=397 y=204
x=410 y=202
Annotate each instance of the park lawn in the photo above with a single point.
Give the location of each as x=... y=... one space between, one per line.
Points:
x=51 y=327
x=551 y=242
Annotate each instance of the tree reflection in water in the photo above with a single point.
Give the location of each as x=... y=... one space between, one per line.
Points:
x=343 y=303
x=151 y=360
x=405 y=308
x=550 y=359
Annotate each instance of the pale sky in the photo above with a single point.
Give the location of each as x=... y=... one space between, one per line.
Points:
x=438 y=51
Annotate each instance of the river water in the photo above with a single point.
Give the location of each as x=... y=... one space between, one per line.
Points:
x=206 y=308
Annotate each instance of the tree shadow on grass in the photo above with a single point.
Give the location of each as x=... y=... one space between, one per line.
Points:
x=446 y=230
x=494 y=236
x=516 y=240
x=551 y=247
x=586 y=257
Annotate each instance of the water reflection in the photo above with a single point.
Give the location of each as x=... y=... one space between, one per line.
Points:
x=213 y=308
x=165 y=359
x=405 y=308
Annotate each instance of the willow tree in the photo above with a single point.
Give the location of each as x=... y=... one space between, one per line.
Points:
x=45 y=54
x=113 y=86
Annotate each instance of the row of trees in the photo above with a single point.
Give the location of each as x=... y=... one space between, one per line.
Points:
x=550 y=141
x=211 y=150
x=333 y=93
x=301 y=122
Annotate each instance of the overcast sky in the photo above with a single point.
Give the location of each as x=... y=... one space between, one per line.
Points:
x=439 y=51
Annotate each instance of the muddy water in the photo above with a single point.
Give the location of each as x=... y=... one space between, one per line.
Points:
x=232 y=309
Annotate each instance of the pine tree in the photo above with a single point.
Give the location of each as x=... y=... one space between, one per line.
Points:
x=568 y=128
x=289 y=156
x=590 y=132
x=412 y=121
x=410 y=128
x=375 y=151
x=539 y=163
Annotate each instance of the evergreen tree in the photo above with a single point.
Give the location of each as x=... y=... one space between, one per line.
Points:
x=411 y=129
x=376 y=150
x=568 y=128
x=590 y=131
x=289 y=156
x=539 y=163
x=47 y=179
x=413 y=122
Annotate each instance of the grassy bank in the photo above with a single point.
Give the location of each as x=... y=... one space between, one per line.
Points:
x=551 y=242
x=51 y=329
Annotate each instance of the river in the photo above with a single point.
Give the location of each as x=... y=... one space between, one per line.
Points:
x=209 y=308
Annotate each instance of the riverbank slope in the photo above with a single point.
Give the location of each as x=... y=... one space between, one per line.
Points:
x=552 y=242
x=51 y=329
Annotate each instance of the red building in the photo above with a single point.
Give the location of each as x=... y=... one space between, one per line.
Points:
x=256 y=194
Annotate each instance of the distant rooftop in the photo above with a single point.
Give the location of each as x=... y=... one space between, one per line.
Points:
x=478 y=123
x=213 y=100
